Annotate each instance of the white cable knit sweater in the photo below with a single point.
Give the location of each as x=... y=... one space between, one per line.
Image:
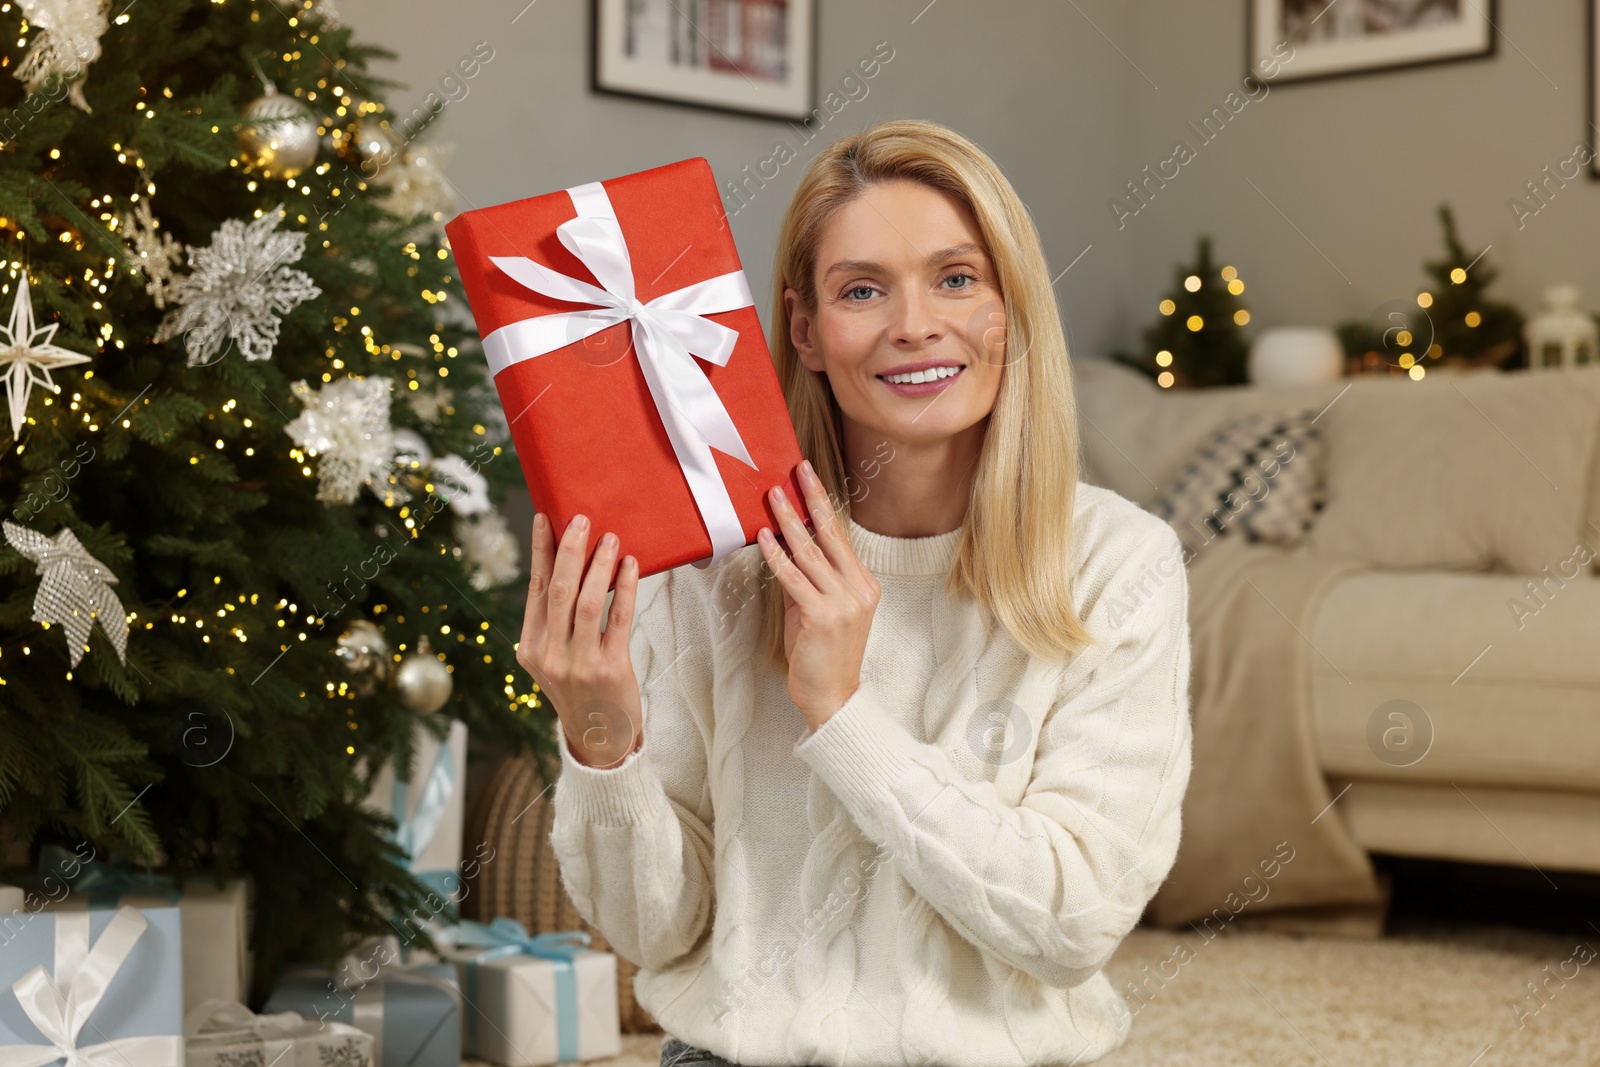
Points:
x=939 y=873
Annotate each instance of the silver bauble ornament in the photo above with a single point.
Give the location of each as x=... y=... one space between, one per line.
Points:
x=279 y=134
x=365 y=653
x=421 y=681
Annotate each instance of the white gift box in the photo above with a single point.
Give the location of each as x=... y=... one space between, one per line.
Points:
x=215 y=921
x=513 y=1010
x=221 y=1033
x=441 y=841
x=93 y=987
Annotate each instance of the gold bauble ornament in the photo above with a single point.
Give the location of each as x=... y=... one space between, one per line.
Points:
x=365 y=653
x=421 y=682
x=279 y=135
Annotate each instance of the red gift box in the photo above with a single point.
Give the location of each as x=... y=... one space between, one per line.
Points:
x=631 y=364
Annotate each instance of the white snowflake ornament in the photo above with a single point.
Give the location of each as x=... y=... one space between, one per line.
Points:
x=410 y=448
x=460 y=483
x=487 y=544
x=346 y=426
x=66 y=39
x=28 y=357
x=429 y=403
x=74 y=589
x=238 y=289
x=156 y=251
x=418 y=185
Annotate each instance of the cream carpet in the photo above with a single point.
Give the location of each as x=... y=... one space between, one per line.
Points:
x=1446 y=998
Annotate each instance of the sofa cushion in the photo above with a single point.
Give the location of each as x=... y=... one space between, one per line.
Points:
x=1259 y=477
x=1502 y=668
x=1137 y=438
x=1478 y=471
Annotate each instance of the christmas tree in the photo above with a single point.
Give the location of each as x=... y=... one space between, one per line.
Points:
x=1197 y=341
x=253 y=466
x=1454 y=322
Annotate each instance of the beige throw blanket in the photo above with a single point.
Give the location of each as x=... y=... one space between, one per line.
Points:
x=1261 y=845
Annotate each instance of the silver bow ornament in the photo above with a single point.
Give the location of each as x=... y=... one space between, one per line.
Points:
x=59 y=1006
x=668 y=332
x=74 y=589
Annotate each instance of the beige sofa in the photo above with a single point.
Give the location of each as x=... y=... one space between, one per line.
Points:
x=1510 y=696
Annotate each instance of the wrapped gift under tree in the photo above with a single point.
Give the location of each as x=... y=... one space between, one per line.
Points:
x=412 y=1012
x=215 y=919
x=224 y=1033
x=620 y=309
x=535 y=1000
x=430 y=812
x=122 y=971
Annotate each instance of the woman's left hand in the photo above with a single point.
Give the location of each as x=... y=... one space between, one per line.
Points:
x=828 y=596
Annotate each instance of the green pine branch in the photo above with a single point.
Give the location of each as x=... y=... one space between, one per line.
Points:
x=232 y=742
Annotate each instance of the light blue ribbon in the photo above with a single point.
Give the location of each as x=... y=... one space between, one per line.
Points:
x=103 y=883
x=507 y=937
x=416 y=831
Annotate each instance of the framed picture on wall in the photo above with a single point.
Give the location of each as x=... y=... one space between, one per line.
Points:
x=1591 y=136
x=755 y=57
x=1333 y=38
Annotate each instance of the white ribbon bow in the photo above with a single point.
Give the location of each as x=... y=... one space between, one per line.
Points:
x=61 y=1006
x=229 y=1021
x=668 y=332
x=217 y=1025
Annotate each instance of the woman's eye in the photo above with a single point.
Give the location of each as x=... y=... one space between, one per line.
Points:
x=968 y=277
x=850 y=294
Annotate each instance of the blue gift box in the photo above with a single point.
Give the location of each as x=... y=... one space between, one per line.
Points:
x=134 y=954
x=413 y=1013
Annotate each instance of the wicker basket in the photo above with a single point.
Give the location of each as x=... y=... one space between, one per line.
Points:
x=523 y=880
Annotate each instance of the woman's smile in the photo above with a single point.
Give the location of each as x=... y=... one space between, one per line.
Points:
x=923 y=378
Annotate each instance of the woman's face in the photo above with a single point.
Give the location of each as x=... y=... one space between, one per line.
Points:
x=904 y=285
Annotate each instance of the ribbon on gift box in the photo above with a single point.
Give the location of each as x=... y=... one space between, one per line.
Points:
x=507 y=937
x=60 y=1005
x=417 y=828
x=105 y=884
x=365 y=998
x=668 y=332
x=227 y=1022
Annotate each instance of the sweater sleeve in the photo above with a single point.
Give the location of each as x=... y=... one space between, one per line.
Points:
x=1052 y=884
x=634 y=842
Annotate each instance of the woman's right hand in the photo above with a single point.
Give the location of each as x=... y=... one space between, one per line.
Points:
x=585 y=674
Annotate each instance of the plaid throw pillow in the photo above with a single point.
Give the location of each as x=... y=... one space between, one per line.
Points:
x=1260 y=477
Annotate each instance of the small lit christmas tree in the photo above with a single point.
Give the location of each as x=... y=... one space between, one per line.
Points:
x=1197 y=341
x=1454 y=323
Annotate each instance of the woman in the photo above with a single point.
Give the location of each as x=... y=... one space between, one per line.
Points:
x=837 y=814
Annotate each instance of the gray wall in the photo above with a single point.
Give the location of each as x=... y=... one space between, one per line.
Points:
x=1073 y=100
x=1029 y=80
x=1360 y=164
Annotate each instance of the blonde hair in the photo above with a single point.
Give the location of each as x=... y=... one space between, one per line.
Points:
x=1014 y=555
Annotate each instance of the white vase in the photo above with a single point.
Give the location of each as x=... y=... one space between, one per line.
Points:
x=1295 y=355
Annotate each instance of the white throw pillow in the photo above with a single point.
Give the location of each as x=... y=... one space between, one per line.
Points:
x=1477 y=471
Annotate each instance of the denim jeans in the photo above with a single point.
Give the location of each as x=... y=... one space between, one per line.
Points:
x=675 y=1053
